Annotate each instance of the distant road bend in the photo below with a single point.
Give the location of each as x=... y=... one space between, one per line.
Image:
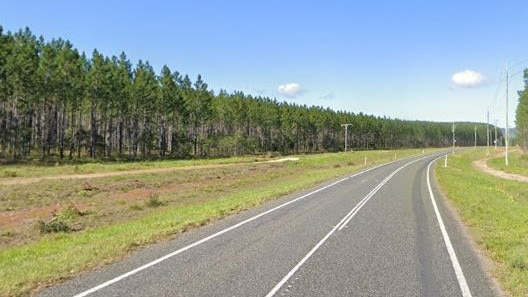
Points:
x=384 y=231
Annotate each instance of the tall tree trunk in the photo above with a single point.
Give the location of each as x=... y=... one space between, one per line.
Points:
x=62 y=131
x=79 y=135
x=120 y=137
x=73 y=125
x=93 y=127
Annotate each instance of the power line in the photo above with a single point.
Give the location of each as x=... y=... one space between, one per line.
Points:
x=498 y=88
x=505 y=76
x=516 y=73
x=519 y=63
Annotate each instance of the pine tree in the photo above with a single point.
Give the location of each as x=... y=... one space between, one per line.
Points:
x=54 y=99
x=21 y=67
x=96 y=91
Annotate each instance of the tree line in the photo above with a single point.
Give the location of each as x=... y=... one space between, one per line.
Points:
x=56 y=102
x=521 y=116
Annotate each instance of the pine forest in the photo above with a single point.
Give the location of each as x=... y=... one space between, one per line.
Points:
x=59 y=103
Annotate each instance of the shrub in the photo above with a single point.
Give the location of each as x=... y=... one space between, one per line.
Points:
x=135 y=207
x=10 y=173
x=69 y=212
x=54 y=226
x=154 y=201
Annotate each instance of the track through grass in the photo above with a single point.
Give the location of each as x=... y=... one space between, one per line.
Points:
x=517 y=163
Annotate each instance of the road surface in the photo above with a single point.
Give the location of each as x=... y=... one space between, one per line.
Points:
x=382 y=232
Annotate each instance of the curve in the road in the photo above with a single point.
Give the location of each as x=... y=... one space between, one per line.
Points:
x=396 y=244
x=343 y=223
x=190 y=246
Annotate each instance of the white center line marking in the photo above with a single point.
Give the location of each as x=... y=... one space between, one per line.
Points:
x=451 y=251
x=170 y=255
x=339 y=226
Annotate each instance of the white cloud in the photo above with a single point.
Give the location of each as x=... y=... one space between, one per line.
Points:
x=468 y=79
x=290 y=90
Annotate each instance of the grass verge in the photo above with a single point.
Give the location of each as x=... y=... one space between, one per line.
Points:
x=13 y=171
x=59 y=256
x=517 y=163
x=496 y=212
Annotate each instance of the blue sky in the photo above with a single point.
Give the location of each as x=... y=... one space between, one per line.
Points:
x=387 y=58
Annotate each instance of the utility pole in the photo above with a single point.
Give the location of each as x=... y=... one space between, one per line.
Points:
x=507 y=132
x=487 y=133
x=454 y=140
x=495 y=134
x=346 y=135
x=475 y=136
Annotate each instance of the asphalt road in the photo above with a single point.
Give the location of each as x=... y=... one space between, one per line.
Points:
x=371 y=234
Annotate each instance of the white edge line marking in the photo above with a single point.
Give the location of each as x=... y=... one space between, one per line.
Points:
x=451 y=251
x=145 y=266
x=339 y=226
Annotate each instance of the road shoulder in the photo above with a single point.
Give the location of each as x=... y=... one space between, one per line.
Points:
x=460 y=232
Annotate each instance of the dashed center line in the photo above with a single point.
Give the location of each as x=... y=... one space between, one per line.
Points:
x=199 y=242
x=344 y=221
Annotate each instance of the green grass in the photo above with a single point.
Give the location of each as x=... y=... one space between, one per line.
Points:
x=12 y=171
x=496 y=211
x=58 y=256
x=517 y=163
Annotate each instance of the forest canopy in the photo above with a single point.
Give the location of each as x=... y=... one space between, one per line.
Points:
x=58 y=102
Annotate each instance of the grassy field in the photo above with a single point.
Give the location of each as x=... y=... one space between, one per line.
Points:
x=39 y=170
x=496 y=212
x=517 y=163
x=102 y=219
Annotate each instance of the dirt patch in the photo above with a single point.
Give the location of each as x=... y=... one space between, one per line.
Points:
x=283 y=160
x=22 y=180
x=10 y=219
x=483 y=166
x=20 y=226
x=108 y=201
